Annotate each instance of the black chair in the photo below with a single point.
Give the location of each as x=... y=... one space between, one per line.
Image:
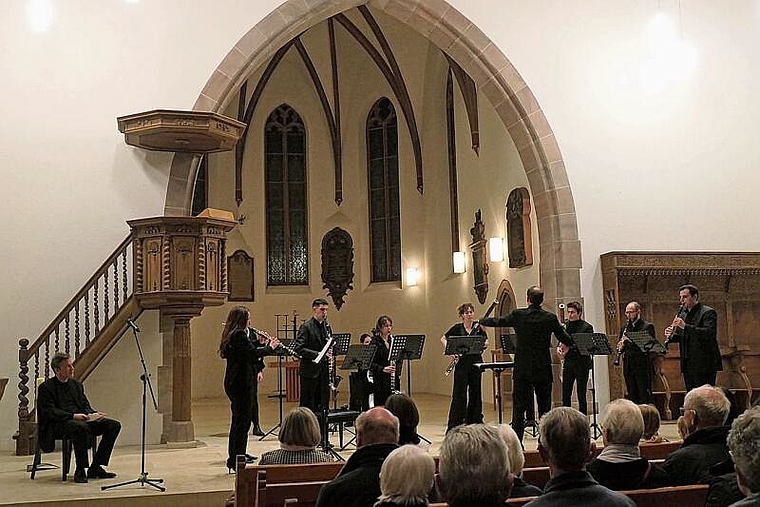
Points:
x=66 y=448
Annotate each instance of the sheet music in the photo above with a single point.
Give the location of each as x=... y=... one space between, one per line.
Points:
x=324 y=350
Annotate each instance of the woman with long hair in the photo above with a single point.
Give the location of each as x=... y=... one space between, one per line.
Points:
x=383 y=371
x=238 y=346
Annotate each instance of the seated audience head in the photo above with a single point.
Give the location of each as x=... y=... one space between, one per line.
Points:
x=403 y=407
x=704 y=407
x=744 y=443
x=376 y=426
x=406 y=477
x=300 y=428
x=651 y=417
x=473 y=466
x=622 y=423
x=514 y=448
x=565 y=440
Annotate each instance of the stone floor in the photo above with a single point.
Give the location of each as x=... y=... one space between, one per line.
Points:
x=197 y=476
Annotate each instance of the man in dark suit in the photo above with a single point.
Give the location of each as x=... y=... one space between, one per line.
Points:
x=575 y=367
x=637 y=367
x=533 y=363
x=697 y=333
x=64 y=409
x=315 y=377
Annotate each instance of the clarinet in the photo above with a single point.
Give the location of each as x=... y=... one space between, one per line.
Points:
x=330 y=360
x=680 y=312
x=455 y=359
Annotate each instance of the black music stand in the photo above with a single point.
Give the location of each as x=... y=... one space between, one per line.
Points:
x=398 y=344
x=644 y=341
x=412 y=352
x=340 y=347
x=280 y=352
x=497 y=368
x=464 y=345
x=593 y=344
x=359 y=357
x=508 y=343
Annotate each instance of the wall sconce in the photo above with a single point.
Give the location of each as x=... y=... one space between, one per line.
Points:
x=496 y=249
x=459 y=262
x=412 y=277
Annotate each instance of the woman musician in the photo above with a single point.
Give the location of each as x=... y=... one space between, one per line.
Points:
x=383 y=371
x=466 y=397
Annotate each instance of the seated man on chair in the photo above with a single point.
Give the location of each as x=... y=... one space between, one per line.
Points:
x=64 y=410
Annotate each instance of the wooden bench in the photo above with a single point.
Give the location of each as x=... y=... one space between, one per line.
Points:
x=658 y=450
x=302 y=494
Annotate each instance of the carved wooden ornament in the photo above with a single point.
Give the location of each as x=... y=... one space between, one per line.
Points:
x=479 y=264
x=520 y=247
x=337 y=264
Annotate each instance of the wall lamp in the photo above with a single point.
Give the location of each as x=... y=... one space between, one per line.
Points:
x=460 y=265
x=496 y=249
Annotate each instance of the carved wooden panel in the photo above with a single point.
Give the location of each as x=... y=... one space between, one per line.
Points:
x=337 y=264
x=240 y=267
x=479 y=263
x=520 y=243
x=728 y=282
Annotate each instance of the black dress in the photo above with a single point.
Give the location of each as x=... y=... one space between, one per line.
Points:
x=466 y=396
x=383 y=382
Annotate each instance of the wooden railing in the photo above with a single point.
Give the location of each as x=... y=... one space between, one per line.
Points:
x=79 y=330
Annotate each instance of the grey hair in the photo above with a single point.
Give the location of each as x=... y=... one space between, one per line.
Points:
x=58 y=359
x=622 y=422
x=710 y=405
x=474 y=466
x=564 y=433
x=406 y=476
x=744 y=442
x=514 y=448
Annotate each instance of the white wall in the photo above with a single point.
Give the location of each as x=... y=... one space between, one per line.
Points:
x=670 y=169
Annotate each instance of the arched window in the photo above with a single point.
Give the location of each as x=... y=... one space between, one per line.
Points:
x=382 y=169
x=286 y=205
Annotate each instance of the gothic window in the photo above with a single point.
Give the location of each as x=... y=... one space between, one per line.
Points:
x=286 y=208
x=384 y=216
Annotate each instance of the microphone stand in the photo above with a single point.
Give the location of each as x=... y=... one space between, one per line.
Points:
x=142 y=479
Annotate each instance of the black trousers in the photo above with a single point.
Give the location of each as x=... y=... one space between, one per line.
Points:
x=575 y=370
x=315 y=392
x=240 y=404
x=694 y=379
x=637 y=371
x=81 y=433
x=522 y=400
x=466 y=396
x=255 y=403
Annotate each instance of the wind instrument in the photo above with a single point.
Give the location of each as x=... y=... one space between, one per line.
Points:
x=475 y=325
x=334 y=379
x=280 y=345
x=678 y=315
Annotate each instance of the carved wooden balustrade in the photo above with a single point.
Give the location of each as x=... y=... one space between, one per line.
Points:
x=85 y=328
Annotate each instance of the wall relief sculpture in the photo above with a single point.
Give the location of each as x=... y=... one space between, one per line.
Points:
x=519 y=239
x=337 y=264
x=479 y=263
x=240 y=270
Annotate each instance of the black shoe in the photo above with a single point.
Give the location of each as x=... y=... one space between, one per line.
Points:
x=98 y=472
x=257 y=432
x=80 y=476
x=250 y=459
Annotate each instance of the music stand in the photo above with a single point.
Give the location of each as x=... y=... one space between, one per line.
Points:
x=508 y=343
x=497 y=368
x=643 y=340
x=464 y=345
x=398 y=344
x=412 y=351
x=280 y=352
x=593 y=344
x=340 y=347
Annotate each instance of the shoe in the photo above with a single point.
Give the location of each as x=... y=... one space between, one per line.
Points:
x=257 y=432
x=250 y=459
x=230 y=466
x=98 y=472
x=80 y=476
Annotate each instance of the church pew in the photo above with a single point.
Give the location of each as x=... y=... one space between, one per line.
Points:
x=652 y=451
x=304 y=494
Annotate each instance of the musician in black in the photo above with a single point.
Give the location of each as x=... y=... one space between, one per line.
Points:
x=533 y=363
x=383 y=370
x=361 y=387
x=697 y=334
x=575 y=367
x=311 y=338
x=637 y=367
x=466 y=399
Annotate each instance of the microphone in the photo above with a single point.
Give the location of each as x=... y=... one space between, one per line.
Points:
x=132 y=324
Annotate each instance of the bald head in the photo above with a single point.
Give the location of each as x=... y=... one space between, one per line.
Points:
x=376 y=426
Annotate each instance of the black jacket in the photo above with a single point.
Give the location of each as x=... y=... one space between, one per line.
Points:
x=57 y=402
x=628 y=475
x=701 y=450
x=635 y=358
x=579 y=488
x=245 y=359
x=699 y=341
x=534 y=327
x=573 y=355
x=358 y=483
x=309 y=342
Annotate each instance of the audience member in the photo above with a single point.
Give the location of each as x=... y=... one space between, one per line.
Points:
x=299 y=436
x=358 y=483
x=520 y=488
x=473 y=468
x=403 y=407
x=651 y=417
x=565 y=443
x=64 y=409
x=704 y=436
x=620 y=465
x=744 y=443
x=406 y=478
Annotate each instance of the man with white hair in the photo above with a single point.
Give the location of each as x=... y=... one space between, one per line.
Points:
x=744 y=443
x=705 y=410
x=565 y=443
